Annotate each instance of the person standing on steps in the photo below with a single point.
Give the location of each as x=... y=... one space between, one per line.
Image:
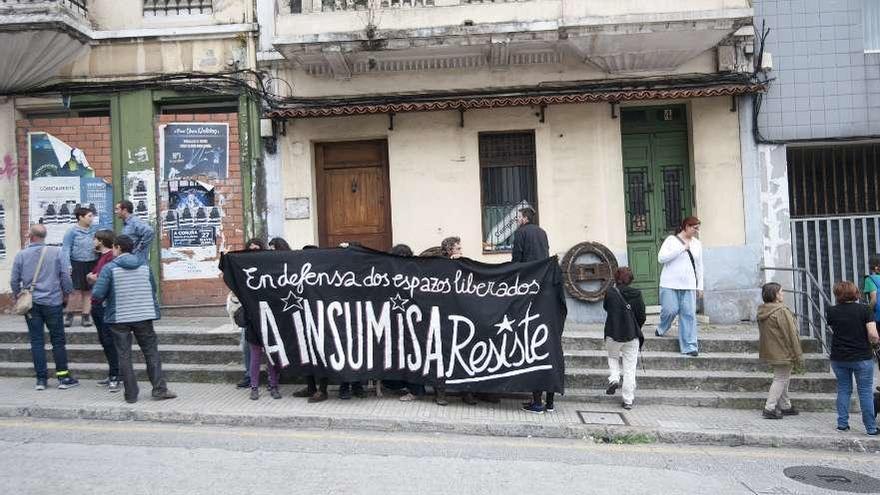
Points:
x=854 y=334
x=136 y=229
x=128 y=290
x=78 y=247
x=104 y=240
x=530 y=244
x=232 y=304
x=872 y=286
x=45 y=272
x=780 y=347
x=681 y=281
x=623 y=334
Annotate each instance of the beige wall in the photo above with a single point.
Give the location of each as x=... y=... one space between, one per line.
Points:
x=434 y=172
x=8 y=189
x=150 y=57
x=116 y=15
x=453 y=13
x=571 y=70
x=435 y=185
x=718 y=172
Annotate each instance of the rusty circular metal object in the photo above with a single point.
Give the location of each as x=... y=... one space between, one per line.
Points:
x=600 y=271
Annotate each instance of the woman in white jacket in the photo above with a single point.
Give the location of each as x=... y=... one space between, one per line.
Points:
x=682 y=277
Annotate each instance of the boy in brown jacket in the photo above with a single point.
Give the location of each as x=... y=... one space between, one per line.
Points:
x=780 y=347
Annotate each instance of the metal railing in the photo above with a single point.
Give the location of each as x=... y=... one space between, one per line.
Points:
x=79 y=5
x=810 y=304
x=835 y=248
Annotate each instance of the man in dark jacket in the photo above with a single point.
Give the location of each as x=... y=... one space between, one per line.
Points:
x=530 y=244
x=529 y=240
x=127 y=289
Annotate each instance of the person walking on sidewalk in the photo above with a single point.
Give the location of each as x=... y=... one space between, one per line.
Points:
x=104 y=240
x=680 y=282
x=530 y=244
x=78 y=247
x=136 y=229
x=623 y=334
x=851 y=356
x=128 y=290
x=45 y=272
x=780 y=347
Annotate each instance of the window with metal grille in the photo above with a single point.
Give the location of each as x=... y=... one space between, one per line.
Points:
x=508 y=183
x=834 y=180
x=156 y=8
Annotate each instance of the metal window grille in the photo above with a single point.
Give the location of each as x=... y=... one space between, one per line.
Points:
x=508 y=183
x=177 y=7
x=832 y=181
x=80 y=4
x=639 y=209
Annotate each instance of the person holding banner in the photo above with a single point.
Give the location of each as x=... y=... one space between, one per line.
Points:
x=232 y=304
x=530 y=244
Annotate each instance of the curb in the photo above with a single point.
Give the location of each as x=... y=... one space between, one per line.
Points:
x=597 y=434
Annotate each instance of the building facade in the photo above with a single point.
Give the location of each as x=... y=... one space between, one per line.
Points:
x=151 y=101
x=408 y=121
x=818 y=132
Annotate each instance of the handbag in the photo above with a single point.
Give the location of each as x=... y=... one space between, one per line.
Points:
x=25 y=301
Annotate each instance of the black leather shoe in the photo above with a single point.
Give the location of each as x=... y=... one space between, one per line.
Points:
x=612 y=387
x=791 y=411
x=775 y=414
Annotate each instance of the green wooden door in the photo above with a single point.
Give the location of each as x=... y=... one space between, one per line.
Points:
x=657 y=187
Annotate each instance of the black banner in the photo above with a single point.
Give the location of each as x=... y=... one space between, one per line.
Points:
x=352 y=314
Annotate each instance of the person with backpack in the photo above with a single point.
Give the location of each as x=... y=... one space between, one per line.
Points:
x=623 y=334
x=872 y=286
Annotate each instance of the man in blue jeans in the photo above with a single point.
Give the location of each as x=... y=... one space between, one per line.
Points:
x=53 y=285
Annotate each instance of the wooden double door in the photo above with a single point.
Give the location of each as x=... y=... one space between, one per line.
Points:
x=656 y=170
x=354 y=198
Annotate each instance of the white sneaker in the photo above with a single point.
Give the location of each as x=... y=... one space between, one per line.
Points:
x=41 y=385
x=113 y=386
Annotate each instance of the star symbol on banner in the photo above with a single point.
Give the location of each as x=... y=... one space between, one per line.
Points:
x=505 y=325
x=292 y=301
x=398 y=302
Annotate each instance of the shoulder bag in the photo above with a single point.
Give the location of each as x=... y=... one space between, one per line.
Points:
x=25 y=301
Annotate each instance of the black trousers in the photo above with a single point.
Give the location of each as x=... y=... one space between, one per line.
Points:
x=312 y=384
x=149 y=343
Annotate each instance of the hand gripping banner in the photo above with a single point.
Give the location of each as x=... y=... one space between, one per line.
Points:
x=353 y=314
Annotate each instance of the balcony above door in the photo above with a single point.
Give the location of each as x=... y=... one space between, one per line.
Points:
x=39 y=37
x=346 y=38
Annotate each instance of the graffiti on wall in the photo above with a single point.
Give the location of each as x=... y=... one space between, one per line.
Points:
x=8 y=169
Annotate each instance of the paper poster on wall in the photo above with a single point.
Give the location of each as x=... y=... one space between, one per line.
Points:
x=141 y=188
x=52 y=202
x=503 y=221
x=97 y=195
x=52 y=157
x=191 y=205
x=194 y=149
x=2 y=230
x=189 y=263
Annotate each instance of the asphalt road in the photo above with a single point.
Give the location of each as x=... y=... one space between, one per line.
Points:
x=96 y=457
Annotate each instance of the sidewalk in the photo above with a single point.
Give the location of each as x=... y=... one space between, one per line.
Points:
x=224 y=405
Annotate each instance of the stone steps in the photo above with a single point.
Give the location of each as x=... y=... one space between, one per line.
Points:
x=727 y=373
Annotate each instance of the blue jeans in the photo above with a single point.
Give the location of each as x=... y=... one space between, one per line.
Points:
x=681 y=303
x=864 y=374
x=105 y=336
x=53 y=318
